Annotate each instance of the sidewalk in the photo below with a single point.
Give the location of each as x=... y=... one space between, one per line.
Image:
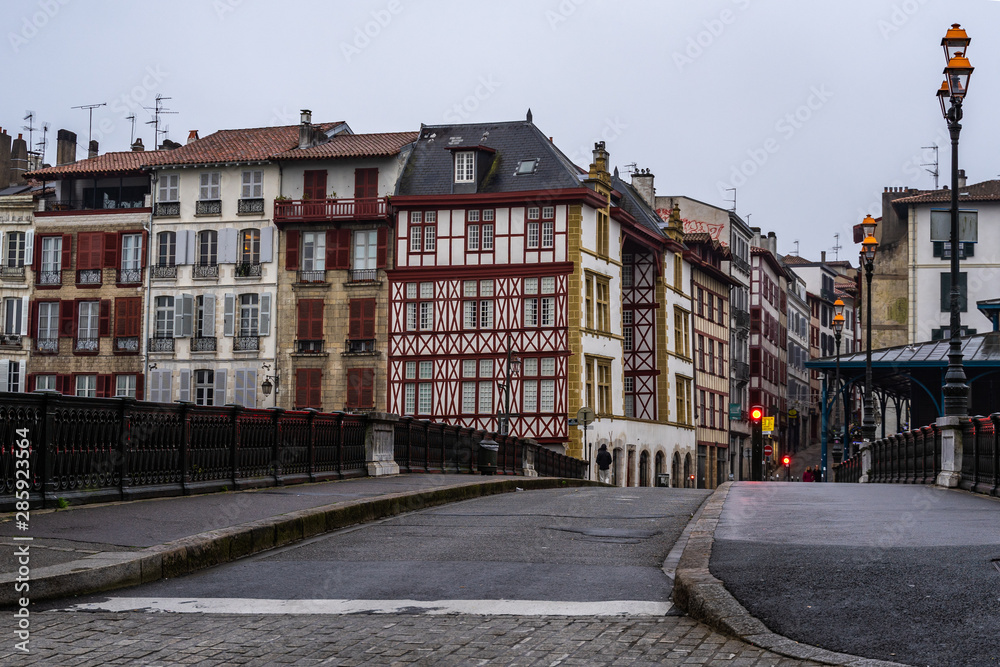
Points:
x=92 y=548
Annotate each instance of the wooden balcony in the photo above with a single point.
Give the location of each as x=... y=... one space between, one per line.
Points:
x=328 y=210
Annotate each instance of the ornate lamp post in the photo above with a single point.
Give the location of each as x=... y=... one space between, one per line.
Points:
x=956 y=84
x=868 y=248
x=513 y=366
x=838 y=328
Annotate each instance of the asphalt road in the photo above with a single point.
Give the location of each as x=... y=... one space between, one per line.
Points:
x=900 y=573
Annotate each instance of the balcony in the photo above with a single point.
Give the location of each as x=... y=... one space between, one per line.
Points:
x=206 y=270
x=208 y=207
x=741 y=264
x=48 y=278
x=164 y=272
x=246 y=344
x=14 y=273
x=248 y=269
x=364 y=275
x=125 y=200
x=360 y=346
x=827 y=294
x=129 y=276
x=741 y=318
x=126 y=345
x=203 y=344
x=741 y=371
x=249 y=206
x=326 y=210
x=167 y=209
x=47 y=345
x=85 y=277
x=158 y=344
x=10 y=341
x=309 y=347
x=312 y=276
x=89 y=345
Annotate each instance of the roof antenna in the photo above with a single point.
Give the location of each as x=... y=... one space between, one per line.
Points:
x=796 y=251
x=90 y=124
x=29 y=116
x=632 y=167
x=935 y=172
x=733 y=209
x=43 y=144
x=132 y=134
x=158 y=110
x=836 y=247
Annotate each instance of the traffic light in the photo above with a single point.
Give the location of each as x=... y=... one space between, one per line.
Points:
x=756 y=414
x=786 y=461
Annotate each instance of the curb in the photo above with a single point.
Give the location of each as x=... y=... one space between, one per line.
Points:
x=705 y=598
x=110 y=570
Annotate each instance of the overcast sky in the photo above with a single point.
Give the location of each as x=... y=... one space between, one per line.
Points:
x=808 y=108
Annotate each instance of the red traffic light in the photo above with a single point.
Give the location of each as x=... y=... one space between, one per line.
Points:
x=756 y=414
x=787 y=461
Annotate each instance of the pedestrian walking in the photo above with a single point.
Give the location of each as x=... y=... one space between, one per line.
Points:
x=604 y=465
x=807 y=475
x=817 y=476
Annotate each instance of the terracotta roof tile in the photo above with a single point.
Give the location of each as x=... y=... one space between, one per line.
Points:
x=255 y=144
x=985 y=191
x=381 y=144
x=108 y=163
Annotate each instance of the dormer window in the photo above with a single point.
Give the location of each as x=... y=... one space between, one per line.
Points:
x=465 y=167
x=525 y=167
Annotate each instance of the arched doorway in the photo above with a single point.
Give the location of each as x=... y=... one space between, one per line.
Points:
x=644 y=468
x=688 y=482
x=660 y=467
x=616 y=466
x=675 y=471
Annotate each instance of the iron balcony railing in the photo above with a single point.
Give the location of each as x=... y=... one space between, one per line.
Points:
x=164 y=271
x=246 y=343
x=827 y=294
x=129 y=276
x=10 y=340
x=208 y=207
x=91 y=205
x=48 y=278
x=161 y=344
x=312 y=276
x=8 y=272
x=742 y=318
x=165 y=209
x=364 y=275
x=308 y=346
x=206 y=270
x=359 y=346
x=127 y=344
x=248 y=270
x=89 y=276
x=322 y=210
x=86 y=344
x=741 y=264
x=203 y=344
x=47 y=345
x=250 y=206
x=741 y=371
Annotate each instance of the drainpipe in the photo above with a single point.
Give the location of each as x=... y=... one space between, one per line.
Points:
x=147 y=383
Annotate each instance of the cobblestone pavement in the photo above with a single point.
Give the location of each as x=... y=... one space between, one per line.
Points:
x=73 y=638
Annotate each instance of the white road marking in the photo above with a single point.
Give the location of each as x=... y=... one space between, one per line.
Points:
x=434 y=607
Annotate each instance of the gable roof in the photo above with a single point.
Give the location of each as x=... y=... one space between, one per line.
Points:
x=985 y=191
x=381 y=144
x=430 y=167
x=254 y=144
x=119 y=163
x=633 y=204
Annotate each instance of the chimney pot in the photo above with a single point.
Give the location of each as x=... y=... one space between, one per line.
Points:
x=961 y=178
x=192 y=136
x=92 y=148
x=137 y=146
x=822 y=256
x=65 y=147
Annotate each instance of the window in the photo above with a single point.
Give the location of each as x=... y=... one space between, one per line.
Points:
x=525 y=167
x=45 y=383
x=310 y=325
x=12 y=311
x=128 y=324
x=487 y=234
x=629 y=391
x=48 y=326
x=423 y=231
x=539 y=311
x=249 y=315
x=131 y=262
x=416 y=231
x=252 y=185
x=588 y=300
x=628 y=271
x=15 y=381
x=477 y=386
x=419 y=306
x=365 y=249
x=308 y=388
x=314 y=184
x=417 y=395
x=678 y=272
x=88 y=317
x=210 y=187
x=589 y=381
x=204 y=387
x=208 y=248
x=14 y=249
x=603 y=386
x=627 y=330
x=125 y=385
x=250 y=244
x=169 y=188
x=361 y=330
x=360 y=388
x=537 y=385
x=86 y=386
x=166 y=248
x=477 y=312
x=465 y=167
x=681 y=332
x=532 y=241
x=313 y=255
x=603 y=290
x=164 y=324
x=603 y=234
x=548 y=226
x=51 y=265
x=963 y=292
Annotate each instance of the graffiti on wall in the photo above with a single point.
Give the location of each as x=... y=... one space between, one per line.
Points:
x=714 y=230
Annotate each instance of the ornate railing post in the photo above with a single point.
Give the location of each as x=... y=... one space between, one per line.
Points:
x=124 y=446
x=380 y=432
x=866 y=461
x=234 y=444
x=995 y=418
x=950 y=429
x=46 y=447
x=276 y=451
x=185 y=455
x=969 y=444
x=311 y=452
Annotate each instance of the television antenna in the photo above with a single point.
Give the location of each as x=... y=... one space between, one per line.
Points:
x=131 y=139
x=90 y=124
x=29 y=116
x=158 y=110
x=631 y=168
x=836 y=246
x=796 y=251
x=44 y=142
x=936 y=171
x=733 y=190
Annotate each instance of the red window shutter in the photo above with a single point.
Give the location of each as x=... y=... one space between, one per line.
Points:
x=343 y=248
x=111 y=246
x=368 y=318
x=140 y=385
x=29 y=382
x=331 y=249
x=67 y=251
x=67 y=319
x=367 y=388
x=314 y=184
x=144 y=251
x=292 y=250
x=33 y=319
x=354 y=381
x=104 y=323
x=355 y=328
x=310 y=324
x=315 y=389
x=76 y=318
x=365 y=183
x=316 y=330
x=83 y=240
x=102 y=386
x=301 y=388
x=37 y=266
x=123 y=316
x=383 y=245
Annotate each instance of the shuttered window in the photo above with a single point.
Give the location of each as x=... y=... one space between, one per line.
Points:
x=361 y=388
x=308 y=391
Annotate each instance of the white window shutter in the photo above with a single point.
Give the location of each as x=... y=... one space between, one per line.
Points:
x=179 y=316
x=220 y=387
x=227 y=245
x=185 y=385
x=20 y=376
x=180 y=247
x=250 y=388
x=190 y=240
x=208 y=319
x=3 y=245
x=29 y=246
x=238 y=395
x=187 y=305
x=266 y=244
x=265 y=314
x=154 y=387
x=24 y=315
x=4 y=370
x=229 y=315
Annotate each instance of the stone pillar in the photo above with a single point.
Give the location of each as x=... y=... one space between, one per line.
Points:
x=528 y=460
x=867 y=462
x=379 y=441
x=951 y=452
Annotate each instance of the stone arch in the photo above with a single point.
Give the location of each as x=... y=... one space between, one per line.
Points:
x=688 y=471
x=644 y=475
x=675 y=471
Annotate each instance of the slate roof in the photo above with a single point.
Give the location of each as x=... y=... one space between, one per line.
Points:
x=429 y=168
x=633 y=204
x=382 y=144
x=985 y=191
x=255 y=144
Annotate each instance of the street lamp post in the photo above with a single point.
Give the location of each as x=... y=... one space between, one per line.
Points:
x=513 y=365
x=956 y=84
x=838 y=328
x=869 y=247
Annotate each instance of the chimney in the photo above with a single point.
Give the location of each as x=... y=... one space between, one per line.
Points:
x=65 y=147
x=772 y=243
x=961 y=178
x=822 y=257
x=642 y=181
x=137 y=146
x=305 y=128
x=755 y=242
x=4 y=158
x=18 y=160
x=192 y=136
x=92 y=148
